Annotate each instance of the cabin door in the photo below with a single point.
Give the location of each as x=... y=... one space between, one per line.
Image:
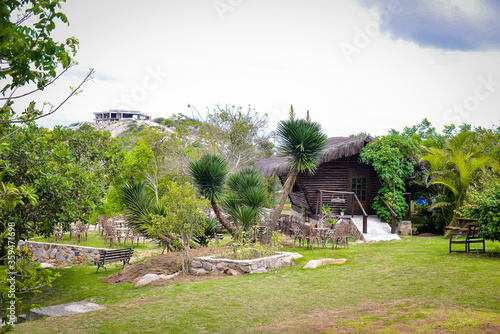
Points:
x=359 y=183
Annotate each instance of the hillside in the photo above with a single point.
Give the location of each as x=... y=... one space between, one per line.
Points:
x=119 y=129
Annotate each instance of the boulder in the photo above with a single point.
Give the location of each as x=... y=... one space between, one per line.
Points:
x=318 y=263
x=146 y=279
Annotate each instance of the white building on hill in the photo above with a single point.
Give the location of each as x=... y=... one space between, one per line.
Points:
x=120 y=115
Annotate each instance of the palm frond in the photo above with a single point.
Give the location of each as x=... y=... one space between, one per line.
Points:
x=209 y=175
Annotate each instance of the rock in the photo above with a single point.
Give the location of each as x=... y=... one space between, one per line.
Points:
x=333 y=261
x=405 y=228
x=198 y=271
x=313 y=264
x=287 y=261
x=146 y=279
x=318 y=263
x=296 y=256
x=59 y=256
x=231 y=272
x=46 y=265
x=168 y=276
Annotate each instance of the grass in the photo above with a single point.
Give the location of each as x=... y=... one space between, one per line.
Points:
x=389 y=287
x=95 y=240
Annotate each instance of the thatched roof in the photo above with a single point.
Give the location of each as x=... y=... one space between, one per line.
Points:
x=337 y=148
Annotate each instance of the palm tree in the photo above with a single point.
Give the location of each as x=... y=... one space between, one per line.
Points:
x=304 y=142
x=452 y=171
x=209 y=175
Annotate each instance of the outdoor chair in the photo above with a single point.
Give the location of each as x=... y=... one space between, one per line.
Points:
x=83 y=230
x=342 y=233
x=102 y=220
x=58 y=232
x=110 y=235
x=74 y=230
x=309 y=235
x=296 y=233
x=472 y=236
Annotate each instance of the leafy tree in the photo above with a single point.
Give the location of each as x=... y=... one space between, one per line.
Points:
x=452 y=171
x=241 y=137
x=393 y=157
x=71 y=171
x=485 y=208
x=29 y=55
x=304 y=142
x=183 y=216
x=209 y=175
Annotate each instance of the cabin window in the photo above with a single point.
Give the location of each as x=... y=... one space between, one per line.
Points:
x=358 y=186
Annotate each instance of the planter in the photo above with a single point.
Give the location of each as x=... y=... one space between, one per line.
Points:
x=212 y=264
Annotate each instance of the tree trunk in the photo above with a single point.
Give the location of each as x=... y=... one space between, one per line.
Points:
x=290 y=180
x=224 y=222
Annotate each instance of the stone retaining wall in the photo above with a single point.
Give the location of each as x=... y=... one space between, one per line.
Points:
x=61 y=255
x=211 y=264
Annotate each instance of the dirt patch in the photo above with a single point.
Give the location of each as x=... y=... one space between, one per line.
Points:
x=428 y=235
x=399 y=316
x=167 y=264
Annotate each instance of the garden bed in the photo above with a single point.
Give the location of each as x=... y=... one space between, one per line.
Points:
x=213 y=264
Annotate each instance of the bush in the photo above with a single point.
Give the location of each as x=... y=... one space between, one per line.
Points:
x=486 y=210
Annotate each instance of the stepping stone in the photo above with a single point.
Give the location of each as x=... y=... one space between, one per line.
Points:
x=63 y=309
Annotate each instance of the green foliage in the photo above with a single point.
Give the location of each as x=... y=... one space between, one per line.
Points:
x=18 y=277
x=486 y=209
x=241 y=137
x=246 y=198
x=30 y=57
x=450 y=173
x=303 y=141
x=70 y=170
x=209 y=174
x=393 y=157
x=396 y=201
x=85 y=127
x=208 y=232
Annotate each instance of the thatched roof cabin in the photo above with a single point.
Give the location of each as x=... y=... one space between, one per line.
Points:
x=340 y=170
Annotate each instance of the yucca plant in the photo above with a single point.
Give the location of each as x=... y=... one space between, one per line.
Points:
x=246 y=198
x=209 y=175
x=209 y=232
x=304 y=142
x=140 y=210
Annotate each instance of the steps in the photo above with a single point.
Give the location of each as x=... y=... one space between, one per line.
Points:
x=377 y=230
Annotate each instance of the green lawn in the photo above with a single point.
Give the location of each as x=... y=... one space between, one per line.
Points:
x=388 y=287
x=95 y=240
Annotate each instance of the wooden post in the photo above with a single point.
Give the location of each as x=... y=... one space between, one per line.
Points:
x=393 y=225
x=365 y=224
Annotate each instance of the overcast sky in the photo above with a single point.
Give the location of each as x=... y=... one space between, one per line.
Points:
x=357 y=66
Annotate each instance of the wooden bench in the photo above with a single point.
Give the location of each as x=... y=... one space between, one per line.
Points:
x=471 y=236
x=112 y=255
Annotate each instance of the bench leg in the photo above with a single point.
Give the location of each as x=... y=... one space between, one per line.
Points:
x=101 y=266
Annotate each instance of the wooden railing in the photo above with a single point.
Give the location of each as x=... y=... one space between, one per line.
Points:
x=393 y=214
x=319 y=205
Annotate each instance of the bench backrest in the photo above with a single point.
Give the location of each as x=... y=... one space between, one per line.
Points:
x=116 y=254
x=473 y=232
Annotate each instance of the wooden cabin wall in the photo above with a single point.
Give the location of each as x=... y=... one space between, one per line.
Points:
x=332 y=176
